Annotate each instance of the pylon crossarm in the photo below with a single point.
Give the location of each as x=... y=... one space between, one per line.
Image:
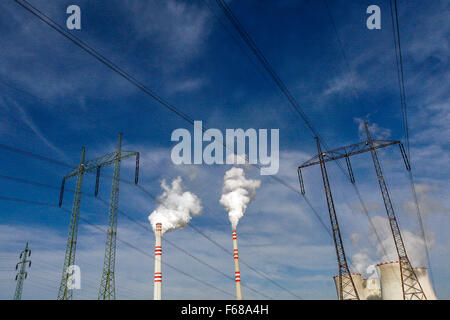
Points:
x=348 y=151
x=100 y=162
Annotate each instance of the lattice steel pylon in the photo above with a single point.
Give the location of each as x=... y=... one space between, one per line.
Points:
x=22 y=275
x=64 y=293
x=347 y=289
x=411 y=288
x=107 y=290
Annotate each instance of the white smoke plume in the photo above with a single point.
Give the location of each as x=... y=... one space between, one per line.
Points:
x=175 y=207
x=237 y=193
x=414 y=243
x=429 y=204
x=361 y=262
x=385 y=251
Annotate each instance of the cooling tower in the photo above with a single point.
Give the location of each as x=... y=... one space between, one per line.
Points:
x=158 y=253
x=371 y=289
x=237 y=273
x=391 y=283
x=357 y=280
x=424 y=280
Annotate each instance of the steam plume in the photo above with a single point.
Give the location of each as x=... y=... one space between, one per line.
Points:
x=414 y=244
x=175 y=207
x=385 y=251
x=237 y=193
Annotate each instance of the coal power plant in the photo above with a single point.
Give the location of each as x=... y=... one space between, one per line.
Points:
x=210 y=157
x=388 y=284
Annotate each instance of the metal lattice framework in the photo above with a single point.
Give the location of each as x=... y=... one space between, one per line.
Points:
x=412 y=290
x=410 y=285
x=64 y=293
x=107 y=289
x=347 y=289
x=22 y=275
x=107 y=284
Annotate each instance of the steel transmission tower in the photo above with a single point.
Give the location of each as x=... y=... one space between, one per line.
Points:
x=107 y=289
x=22 y=275
x=347 y=289
x=64 y=293
x=412 y=290
x=410 y=285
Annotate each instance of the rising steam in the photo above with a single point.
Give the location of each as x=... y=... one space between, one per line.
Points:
x=414 y=243
x=237 y=193
x=385 y=250
x=175 y=207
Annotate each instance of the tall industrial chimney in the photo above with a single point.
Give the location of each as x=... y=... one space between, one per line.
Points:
x=158 y=252
x=237 y=273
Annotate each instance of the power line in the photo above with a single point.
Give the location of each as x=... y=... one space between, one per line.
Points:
x=119 y=239
x=128 y=217
x=147 y=229
x=139 y=186
x=244 y=263
x=246 y=37
x=357 y=95
x=52 y=271
x=47 y=20
x=401 y=84
x=248 y=40
x=399 y=65
x=112 y=66
x=146 y=254
x=399 y=60
x=191 y=255
x=341 y=46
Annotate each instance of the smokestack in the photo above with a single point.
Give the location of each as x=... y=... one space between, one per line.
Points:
x=237 y=273
x=158 y=253
x=357 y=280
x=424 y=280
x=237 y=193
x=173 y=212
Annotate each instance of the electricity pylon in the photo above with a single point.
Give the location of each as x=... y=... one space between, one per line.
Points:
x=411 y=288
x=410 y=284
x=347 y=289
x=107 y=290
x=65 y=293
x=22 y=275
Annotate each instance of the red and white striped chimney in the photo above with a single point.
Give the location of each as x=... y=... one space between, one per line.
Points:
x=158 y=253
x=237 y=273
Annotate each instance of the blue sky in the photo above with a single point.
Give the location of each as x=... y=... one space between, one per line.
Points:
x=180 y=50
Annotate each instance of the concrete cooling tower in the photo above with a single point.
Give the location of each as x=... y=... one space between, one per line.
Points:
x=357 y=280
x=368 y=289
x=391 y=284
x=422 y=275
x=371 y=289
